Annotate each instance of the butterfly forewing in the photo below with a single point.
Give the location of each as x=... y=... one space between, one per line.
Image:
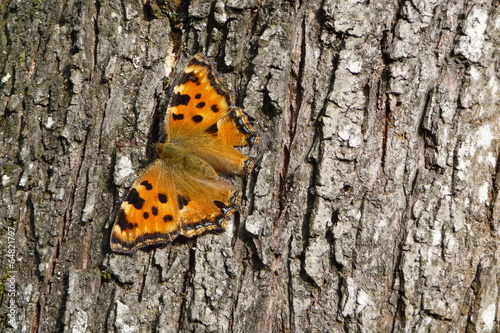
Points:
x=199 y=100
x=149 y=214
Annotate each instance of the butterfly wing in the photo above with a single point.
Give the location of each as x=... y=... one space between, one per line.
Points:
x=167 y=201
x=149 y=213
x=201 y=118
x=204 y=202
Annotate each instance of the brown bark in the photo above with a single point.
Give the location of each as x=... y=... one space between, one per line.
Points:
x=373 y=206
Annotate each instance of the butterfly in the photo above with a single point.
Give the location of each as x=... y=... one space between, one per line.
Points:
x=180 y=193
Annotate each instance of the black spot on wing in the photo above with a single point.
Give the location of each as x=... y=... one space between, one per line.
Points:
x=197 y=96
x=147 y=185
x=146 y=215
x=123 y=223
x=212 y=129
x=168 y=218
x=197 y=118
x=200 y=105
x=162 y=197
x=214 y=108
x=182 y=201
x=154 y=210
x=178 y=99
x=219 y=204
x=176 y=116
x=133 y=198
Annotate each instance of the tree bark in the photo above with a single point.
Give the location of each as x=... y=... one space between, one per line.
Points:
x=373 y=206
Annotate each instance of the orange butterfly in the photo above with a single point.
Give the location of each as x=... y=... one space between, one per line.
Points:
x=180 y=193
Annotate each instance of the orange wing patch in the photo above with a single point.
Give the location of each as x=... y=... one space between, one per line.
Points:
x=180 y=193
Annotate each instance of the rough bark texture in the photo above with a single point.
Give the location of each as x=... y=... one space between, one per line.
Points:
x=374 y=205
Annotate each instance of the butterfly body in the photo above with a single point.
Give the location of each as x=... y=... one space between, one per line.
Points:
x=175 y=157
x=180 y=193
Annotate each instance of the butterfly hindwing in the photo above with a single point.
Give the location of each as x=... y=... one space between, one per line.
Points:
x=204 y=202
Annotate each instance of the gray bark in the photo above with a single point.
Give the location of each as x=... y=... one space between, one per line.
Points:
x=373 y=206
